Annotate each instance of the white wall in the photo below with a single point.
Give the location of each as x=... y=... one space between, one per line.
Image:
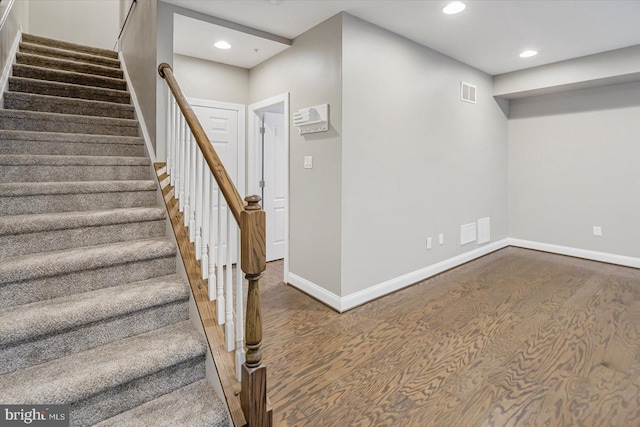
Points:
x=574 y=163
x=89 y=22
x=310 y=71
x=416 y=161
x=16 y=21
x=138 y=45
x=204 y=79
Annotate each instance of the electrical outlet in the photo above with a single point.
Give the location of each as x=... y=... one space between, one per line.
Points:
x=441 y=239
x=597 y=231
x=428 y=242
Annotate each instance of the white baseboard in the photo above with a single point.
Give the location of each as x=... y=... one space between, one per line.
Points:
x=623 y=260
x=139 y=116
x=342 y=304
x=6 y=72
x=319 y=293
x=358 y=298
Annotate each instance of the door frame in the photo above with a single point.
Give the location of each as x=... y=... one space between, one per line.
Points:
x=252 y=158
x=240 y=109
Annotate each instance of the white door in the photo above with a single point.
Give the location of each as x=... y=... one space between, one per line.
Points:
x=274 y=183
x=221 y=127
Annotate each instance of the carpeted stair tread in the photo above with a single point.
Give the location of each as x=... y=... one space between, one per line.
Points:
x=29 y=321
x=45 y=41
x=195 y=405
x=69 y=90
x=45 y=232
x=20 y=198
x=47 y=264
x=21 y=135
x=81 y=375
x=16 y=189
x=64 y=105
x=26 y=160
x=42 y=73
x=68 y=54
x=69 y=144
x=67 y=65
x=19 y=224
x=68 y=123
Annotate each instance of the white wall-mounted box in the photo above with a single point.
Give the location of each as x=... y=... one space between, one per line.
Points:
x=312 y=119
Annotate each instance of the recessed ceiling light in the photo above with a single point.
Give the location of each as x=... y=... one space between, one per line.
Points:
x=454 y=7
x=222 y=45
x=528 y=53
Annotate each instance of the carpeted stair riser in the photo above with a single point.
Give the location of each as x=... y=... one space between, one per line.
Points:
x=203 y=409
x=104 y=381
x=68 y=55
x=36 y=277
x=60 y=232
x=44 y=41
x=51 y=347
x=43 y=87
x=69 y=144
x=30 y=198
x=89 y=172
x=129 y=395
x=65 y=65
x=38 y=73
x=61 y=105
x=89 y=320
x=67 y=123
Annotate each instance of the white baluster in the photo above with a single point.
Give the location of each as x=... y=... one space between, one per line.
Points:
x=198 y=200
x=187 y=174
x=220 y=307
x=174 y=142
x=206 y=197
x=168 y=133
x=228 y=324
x=213 y=291
x=192 y=188
x=181 y=174
x=240 y=354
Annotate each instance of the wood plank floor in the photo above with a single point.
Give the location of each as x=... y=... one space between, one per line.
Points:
x=517 y=338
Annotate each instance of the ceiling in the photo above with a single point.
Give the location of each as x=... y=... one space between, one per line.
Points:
x=247 y=50
x=488 y=35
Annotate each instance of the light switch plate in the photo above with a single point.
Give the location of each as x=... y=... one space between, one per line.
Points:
x=308 y=162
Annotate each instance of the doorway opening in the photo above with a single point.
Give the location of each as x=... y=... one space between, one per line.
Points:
x=268 y=170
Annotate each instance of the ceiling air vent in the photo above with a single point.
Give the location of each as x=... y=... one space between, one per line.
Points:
x=467 y=92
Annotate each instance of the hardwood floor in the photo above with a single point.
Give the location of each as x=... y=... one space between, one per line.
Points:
x=517 y=338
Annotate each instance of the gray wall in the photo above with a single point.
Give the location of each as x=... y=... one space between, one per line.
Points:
x=138 y=45
x=310 y=71
x=416 y=161
x=574 y=163
x=93 y=23
x=203 y=79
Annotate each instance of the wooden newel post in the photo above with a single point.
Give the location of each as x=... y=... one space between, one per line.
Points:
x=253 y=395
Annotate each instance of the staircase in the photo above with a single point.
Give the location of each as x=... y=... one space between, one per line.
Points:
x=92 y=312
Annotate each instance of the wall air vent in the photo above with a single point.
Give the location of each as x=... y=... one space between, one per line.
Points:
x=467 y=92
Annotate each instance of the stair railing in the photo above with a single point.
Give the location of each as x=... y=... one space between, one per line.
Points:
x=203 y=187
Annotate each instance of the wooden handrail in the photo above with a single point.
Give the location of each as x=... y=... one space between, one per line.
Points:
x=251 y=220
x=228 y=189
